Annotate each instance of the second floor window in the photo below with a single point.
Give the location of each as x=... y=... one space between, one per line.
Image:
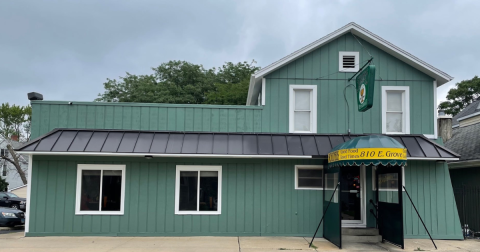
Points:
x=395 y=110
x=303 y=109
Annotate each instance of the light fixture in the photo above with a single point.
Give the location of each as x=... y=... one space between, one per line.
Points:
x=148 y=157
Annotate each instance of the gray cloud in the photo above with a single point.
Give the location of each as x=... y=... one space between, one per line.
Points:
x=67 y=49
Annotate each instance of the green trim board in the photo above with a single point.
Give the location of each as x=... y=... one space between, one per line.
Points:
x=258 y=198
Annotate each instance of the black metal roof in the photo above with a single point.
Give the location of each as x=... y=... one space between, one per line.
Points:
x=174 y=142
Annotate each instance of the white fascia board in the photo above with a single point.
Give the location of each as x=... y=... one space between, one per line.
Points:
x=468 y=116
x=363 y=33
x=250 y=90
x=29 y=192
x=464 y=164
x=159 y=155
x=435 y=112
x=432 y=159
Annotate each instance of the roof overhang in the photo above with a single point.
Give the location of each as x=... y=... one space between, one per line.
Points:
x=440 y=76
x=464 y=164
x=144 y=143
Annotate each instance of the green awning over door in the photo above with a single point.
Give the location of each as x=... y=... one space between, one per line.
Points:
x=368 y=150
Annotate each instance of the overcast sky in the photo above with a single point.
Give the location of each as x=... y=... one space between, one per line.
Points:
x=66 y=49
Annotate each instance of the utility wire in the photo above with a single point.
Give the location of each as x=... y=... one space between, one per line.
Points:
x=321 y=77
x=361 y=44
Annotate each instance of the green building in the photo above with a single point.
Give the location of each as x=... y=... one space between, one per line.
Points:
x=131 y=169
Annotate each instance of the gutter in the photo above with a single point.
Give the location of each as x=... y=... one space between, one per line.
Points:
x=108 y=154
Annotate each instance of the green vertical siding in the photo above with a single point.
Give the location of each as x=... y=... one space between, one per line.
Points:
x=258 y=198
x=323 y=63
x=429 y=186
x=48 y=115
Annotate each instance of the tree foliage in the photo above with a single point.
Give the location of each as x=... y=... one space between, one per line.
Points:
x=464 y=93
x=15 y=120
x=183 y=82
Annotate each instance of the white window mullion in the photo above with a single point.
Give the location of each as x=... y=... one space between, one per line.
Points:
x=198 y=192
x=101 y=188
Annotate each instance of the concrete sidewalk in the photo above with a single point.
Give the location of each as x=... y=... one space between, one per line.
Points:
x=14 y=241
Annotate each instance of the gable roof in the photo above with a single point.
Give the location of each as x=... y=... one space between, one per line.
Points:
x=473 y=108
x=437 y=74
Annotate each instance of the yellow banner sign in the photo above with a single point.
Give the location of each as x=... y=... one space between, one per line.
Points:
x=367 y=153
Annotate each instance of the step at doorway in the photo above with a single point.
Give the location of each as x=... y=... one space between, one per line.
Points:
x=363 y=235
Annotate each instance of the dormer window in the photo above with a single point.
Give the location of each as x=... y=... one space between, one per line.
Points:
x=349 y=61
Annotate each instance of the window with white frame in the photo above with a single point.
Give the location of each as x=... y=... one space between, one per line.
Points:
x=100 y=189
x=198 y=189
x=387 y=182
x=309 y=177
x=348 y=61
x=395 y=110
x=303 y=109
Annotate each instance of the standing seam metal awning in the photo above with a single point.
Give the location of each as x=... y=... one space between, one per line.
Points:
x=99 y=141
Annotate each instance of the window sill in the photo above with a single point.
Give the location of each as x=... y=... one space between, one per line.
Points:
x=99 y=213
x=348 y=70
x=197 y=213
x=308 y=188
x=395 y=133
x=303 y=132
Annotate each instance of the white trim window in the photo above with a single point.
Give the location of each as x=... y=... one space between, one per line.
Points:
x=395 y=110
x=198 y=190
x=100 y=189
x=303 y=109
x=348 y=61
x=387 y=185
x=309 y=177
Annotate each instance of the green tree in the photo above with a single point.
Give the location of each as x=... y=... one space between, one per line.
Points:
x=3 y=185
x=15 y=120
x=232 y=82
x=182 y=82
x=464 y=93
x=172 y=82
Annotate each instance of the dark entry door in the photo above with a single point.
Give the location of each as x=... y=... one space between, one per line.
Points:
x=332 y=227
x=350 y=195
x=390 y=204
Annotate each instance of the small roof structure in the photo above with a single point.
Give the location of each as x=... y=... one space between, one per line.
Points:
x=100 y=142
x=466 y=141
x=470 y=110
x=359 y=31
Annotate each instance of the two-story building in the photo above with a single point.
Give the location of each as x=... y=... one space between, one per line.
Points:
x=132 y=169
